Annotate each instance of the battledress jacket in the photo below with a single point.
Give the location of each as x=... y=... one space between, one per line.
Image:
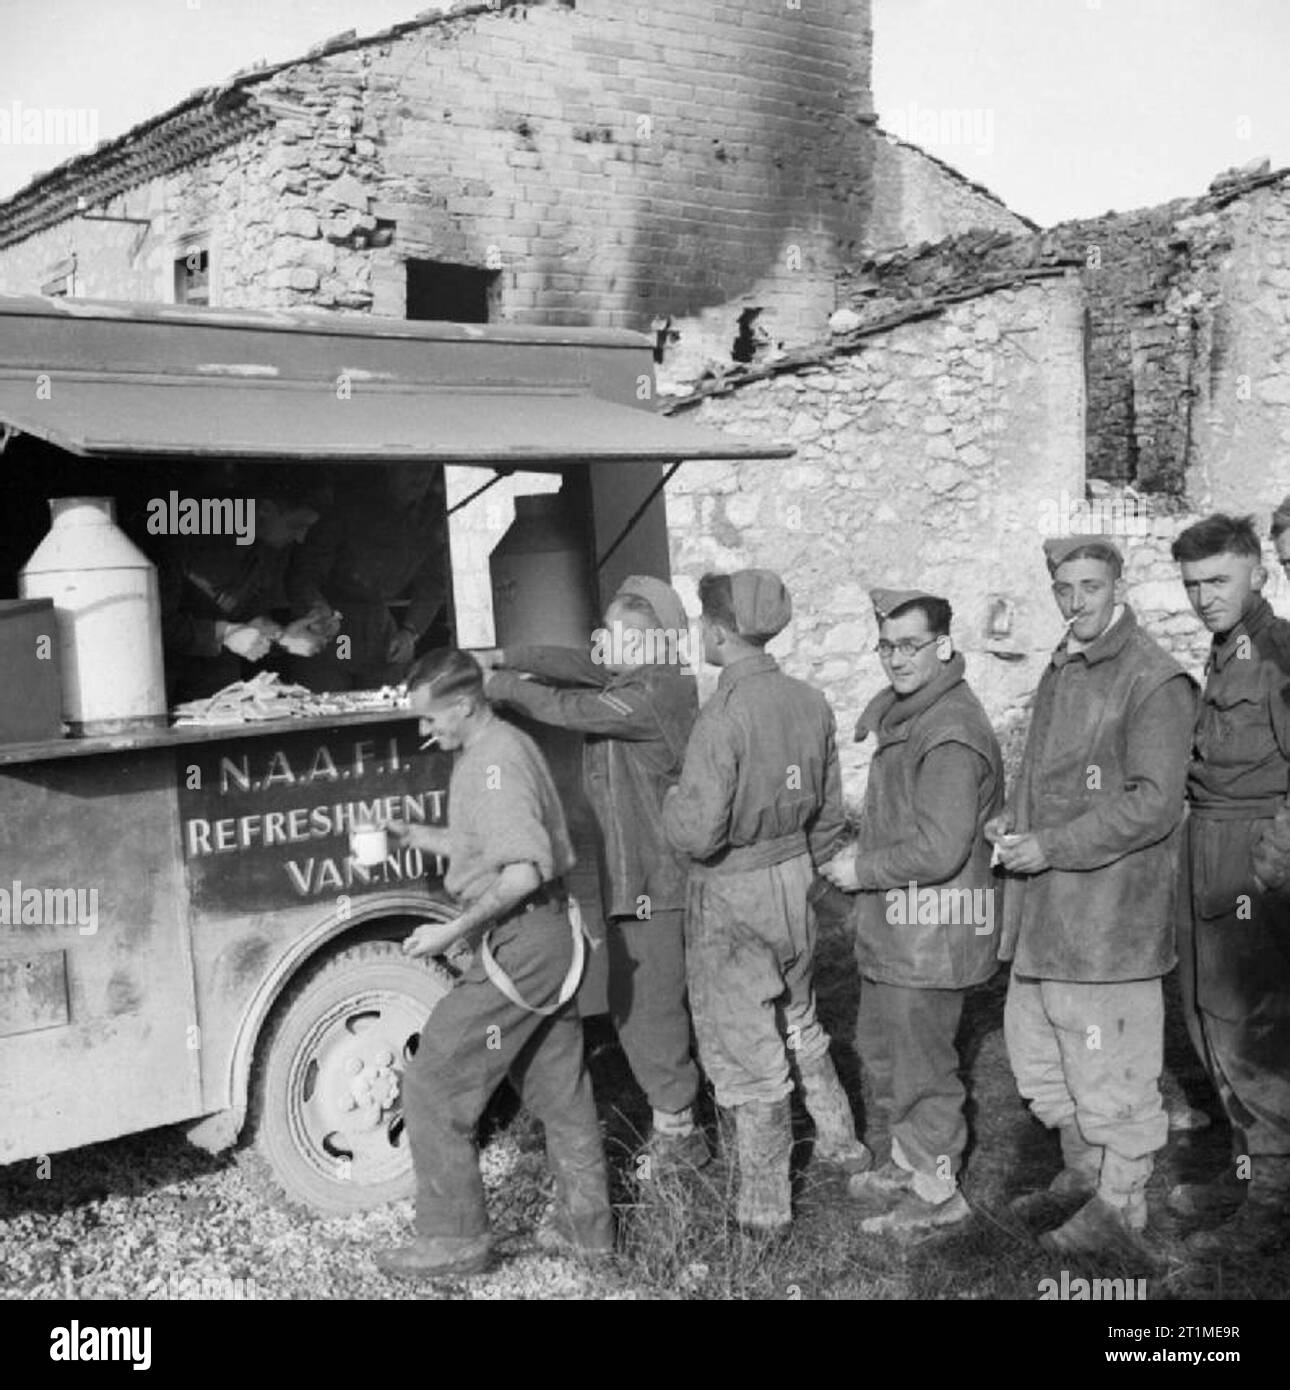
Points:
x=1101 y=785
x=935 y=779
x=637 y=723
x=1236 y=784
x=761 y=781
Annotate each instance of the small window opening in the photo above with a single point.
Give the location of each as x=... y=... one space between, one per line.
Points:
x=450 y=293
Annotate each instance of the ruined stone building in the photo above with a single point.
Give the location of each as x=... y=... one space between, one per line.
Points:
x=711 y=174
x=700 y=170
x=1127 y=373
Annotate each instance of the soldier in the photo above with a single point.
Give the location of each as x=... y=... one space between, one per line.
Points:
x=510 y=1013
x=757 y=807
x=1091 y=833
x=1234 y=923
x=935 y=780
x=381 y=548
x=218 y=598
x=637 y=714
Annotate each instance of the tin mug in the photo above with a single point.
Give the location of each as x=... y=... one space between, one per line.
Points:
x=369 y=845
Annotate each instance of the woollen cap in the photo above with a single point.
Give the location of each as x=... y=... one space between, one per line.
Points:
x=886 y=601
x=761 y=603
x=662 y=598
x=1058 y=549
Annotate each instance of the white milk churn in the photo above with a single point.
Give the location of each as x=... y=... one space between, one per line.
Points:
x=109 y=618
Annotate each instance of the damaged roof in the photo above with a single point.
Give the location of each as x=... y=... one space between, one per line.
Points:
x=207 y=120
x=857 y=339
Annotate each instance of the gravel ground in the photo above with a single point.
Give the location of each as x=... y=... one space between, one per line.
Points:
x=150 y=1217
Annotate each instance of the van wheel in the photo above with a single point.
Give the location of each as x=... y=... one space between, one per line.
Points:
x=325 y=1094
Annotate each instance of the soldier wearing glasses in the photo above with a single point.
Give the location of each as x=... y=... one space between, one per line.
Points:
x=936 y=778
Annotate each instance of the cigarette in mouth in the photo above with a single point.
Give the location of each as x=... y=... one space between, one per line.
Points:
x=429 y=743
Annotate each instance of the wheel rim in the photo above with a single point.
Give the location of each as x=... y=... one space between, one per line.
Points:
x=343 y=1106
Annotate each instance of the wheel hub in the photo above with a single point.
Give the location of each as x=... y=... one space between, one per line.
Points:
x=344 y=1092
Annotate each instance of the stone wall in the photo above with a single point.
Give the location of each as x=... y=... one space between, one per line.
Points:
x=919 y=198
x=1187 y=392
x=1239 y=459
x=928 y=455
x=227 y=204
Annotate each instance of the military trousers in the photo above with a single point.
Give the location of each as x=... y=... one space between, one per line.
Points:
x=1091 y=1055
x=1234 y=973
x=647 y=1003
x=1249 y=1064
x=905 y=1038
x=473 y=1040
x=750 y=945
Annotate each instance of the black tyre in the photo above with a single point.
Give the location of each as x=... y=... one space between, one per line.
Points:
x=325 y=1111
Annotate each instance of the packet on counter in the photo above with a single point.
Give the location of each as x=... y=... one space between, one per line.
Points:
x=266 y=696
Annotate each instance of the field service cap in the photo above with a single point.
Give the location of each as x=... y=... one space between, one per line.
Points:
x=662 y=598
x=1058 y=549
x=888 y=600
x=761 y=603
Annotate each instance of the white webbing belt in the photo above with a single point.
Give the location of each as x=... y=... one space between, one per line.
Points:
x=572 y=980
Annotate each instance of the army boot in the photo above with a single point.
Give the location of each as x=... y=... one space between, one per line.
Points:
x=888 y=1179
x=1217 y=1199
x=581 y=1217
x=1262 y=1223
x=1069 y=1190
x=1208 y=1201
x=675 y=1140
x=835 y=1130
x=441 y=1257
x=1113 y=1219
x=917 y=1215
x=764 y=1133
x=559 y=1234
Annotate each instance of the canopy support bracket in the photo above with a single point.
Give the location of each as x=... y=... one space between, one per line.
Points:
x=470 y=496
x=638 y=513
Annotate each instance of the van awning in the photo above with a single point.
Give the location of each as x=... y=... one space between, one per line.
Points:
x=105 y=380
x=492 y=425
